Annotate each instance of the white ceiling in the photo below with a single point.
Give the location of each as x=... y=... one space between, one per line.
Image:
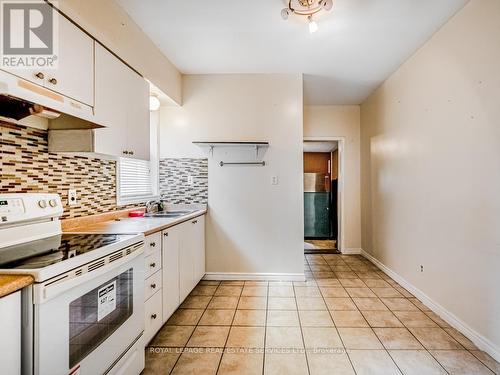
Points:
x=320 y=146
x=358 y=45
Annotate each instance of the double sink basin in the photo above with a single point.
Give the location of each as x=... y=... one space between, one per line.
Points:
x=169 y=214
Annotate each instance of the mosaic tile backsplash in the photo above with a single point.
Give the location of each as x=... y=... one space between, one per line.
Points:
x=27 y=166
x=174 y=187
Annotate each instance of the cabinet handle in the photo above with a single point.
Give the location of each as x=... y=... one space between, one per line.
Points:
x=152 y=265
x=153 y=286
x=153 y=316
x=152 y=244
x=165 y=234
x=194 y=221
x=40 y=75
x=53 y=81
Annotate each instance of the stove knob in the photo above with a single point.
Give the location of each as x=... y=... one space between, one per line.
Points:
x=42 y=204
x=53 y=203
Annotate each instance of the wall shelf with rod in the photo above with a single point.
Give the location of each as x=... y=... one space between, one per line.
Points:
x=257 y=145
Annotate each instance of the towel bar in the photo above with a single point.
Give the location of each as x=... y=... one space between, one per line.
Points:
x=262 y=163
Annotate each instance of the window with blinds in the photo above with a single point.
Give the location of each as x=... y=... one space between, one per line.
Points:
x=135 y=181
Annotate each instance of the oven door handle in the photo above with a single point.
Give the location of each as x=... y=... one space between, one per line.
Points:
x=43 y=292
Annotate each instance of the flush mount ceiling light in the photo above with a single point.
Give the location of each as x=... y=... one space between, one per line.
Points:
x=307 y=8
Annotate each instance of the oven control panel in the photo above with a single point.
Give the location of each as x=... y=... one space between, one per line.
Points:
x=29 y=206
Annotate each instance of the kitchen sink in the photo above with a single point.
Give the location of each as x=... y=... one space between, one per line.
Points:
x=167 y=214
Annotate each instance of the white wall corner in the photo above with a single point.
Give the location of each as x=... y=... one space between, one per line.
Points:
x=254 y=276
x=479 y=340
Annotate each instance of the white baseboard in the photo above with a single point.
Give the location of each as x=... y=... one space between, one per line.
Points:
x=479 y=340
x=351 y=251
x=254 y=276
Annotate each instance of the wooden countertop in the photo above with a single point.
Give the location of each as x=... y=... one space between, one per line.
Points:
x=12 y=283
x=126 y=225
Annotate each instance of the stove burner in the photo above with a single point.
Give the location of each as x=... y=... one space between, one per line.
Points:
x=48 y=251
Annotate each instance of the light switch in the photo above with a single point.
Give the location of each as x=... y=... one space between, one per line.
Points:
x=274 y=180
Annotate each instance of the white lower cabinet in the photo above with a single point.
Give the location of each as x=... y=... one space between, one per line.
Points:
x=175 y=263
x=199 y=248
x=170 y=267
x=152 y=263
x=10 y=332
x=191 y=255
x=153 y=316
x=153 y=284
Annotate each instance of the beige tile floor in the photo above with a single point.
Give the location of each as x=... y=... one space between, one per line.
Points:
x=346 y=318
x=320 y=244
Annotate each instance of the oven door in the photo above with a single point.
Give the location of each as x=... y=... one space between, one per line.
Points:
x=84 y=325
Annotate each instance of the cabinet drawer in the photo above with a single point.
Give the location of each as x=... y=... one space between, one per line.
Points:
x=151 y=285
x=152 y=263
x=153 y=316
x=152 y=243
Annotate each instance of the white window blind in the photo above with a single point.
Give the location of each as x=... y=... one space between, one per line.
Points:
x=135 y=179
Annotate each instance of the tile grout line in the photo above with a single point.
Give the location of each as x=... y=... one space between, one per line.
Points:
x=408 y=328
x=359 y=271
x=230 y=329
x=375 y=334
x=301 y=331
x=197 y=324
x=415 y=337
x=337 y=328
x=265 y=331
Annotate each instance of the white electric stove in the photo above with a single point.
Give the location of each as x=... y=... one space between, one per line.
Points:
x=85 y=313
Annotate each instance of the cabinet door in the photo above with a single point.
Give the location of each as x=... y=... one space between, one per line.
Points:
x=109 y=106
x=186 y=257
x=10 y=332
x=121 y=104
x=32 y=75
x=199 y=247
x=136 y=103
x=74 y=76
x=170 y=268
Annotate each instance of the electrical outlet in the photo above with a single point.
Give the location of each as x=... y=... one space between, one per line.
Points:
x=421 y=268
x=72 y=197
x=274 y=180
x=190 y=180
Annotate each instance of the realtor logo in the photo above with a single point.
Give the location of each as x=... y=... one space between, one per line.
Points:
x=29 y=34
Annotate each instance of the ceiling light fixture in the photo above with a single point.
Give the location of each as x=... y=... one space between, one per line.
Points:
x=154 y=103
x=307 y=8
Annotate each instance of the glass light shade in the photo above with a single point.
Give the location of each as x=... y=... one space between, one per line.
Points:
x=154 y=103
x=328 y=4
x=313 y=26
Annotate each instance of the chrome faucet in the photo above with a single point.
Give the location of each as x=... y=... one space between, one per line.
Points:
x=154 y=206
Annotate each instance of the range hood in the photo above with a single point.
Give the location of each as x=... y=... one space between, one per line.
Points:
x=26 y=103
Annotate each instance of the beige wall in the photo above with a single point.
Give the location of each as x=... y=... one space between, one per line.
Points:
x=342 y=121
x=252 y=226
x=431 y=170
x=106 y=21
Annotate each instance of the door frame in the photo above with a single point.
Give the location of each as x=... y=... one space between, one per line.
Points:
x=340 y=186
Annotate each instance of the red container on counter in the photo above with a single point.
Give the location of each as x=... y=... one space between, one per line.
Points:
x=137 y=213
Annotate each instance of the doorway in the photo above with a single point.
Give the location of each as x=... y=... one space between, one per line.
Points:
x=321 y=196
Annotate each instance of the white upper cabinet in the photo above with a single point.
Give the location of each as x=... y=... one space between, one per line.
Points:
x=109 y=109
x=122 y=105
x=74 y=75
